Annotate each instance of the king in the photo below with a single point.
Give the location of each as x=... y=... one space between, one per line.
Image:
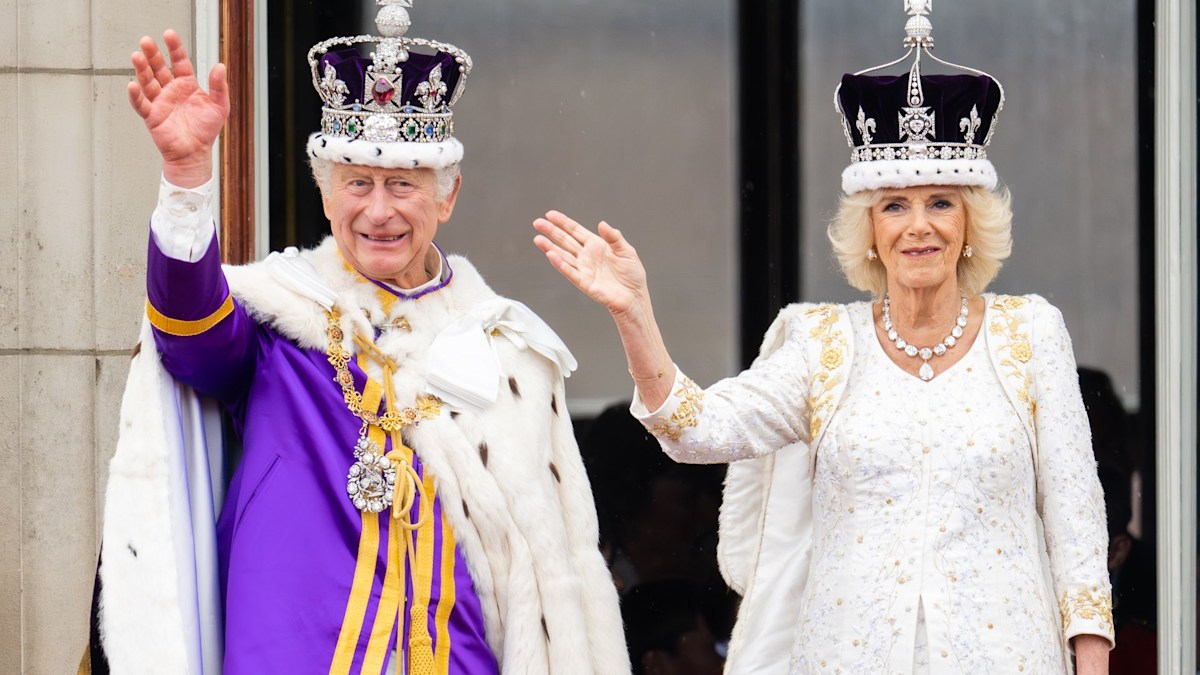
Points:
x=408 y=496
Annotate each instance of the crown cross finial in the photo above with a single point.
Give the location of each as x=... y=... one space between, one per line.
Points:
x=918 y=30
x=915 y=7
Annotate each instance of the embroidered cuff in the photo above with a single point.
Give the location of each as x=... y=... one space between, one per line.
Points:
x=681 y=409
x=182 y=223
x=1088 y=611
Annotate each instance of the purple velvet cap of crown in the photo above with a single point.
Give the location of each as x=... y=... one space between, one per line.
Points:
x=351 y=67
x=949 y=97
x=941 y=140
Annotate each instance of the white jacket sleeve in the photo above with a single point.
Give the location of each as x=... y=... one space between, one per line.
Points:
x=1072 y=502
x=750 y=415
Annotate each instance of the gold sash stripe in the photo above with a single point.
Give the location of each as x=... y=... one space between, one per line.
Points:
x=404 y=556
x=448 y=597
x=368 y=549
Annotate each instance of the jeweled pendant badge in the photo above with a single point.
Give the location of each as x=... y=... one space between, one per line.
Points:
x=372 y=480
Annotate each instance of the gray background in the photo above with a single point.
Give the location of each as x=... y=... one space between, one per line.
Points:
x=620 y=111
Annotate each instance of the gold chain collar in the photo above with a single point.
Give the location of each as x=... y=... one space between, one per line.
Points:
x=427 y=407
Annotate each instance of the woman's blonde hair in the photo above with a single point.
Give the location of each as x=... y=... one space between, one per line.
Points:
x=989 y=233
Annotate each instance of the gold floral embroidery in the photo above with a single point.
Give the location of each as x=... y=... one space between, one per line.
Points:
x=833 y=350
x=1022 y=352
x=1088 y=604
x=687 y=413
x=1008 y=325
x=831 y=358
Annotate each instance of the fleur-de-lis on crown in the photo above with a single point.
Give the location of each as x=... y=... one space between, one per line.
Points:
x=969 y=125
x=334 y=89
x=866 y=126
x=432 y=91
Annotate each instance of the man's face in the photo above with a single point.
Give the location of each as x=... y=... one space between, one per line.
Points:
x=384 y=220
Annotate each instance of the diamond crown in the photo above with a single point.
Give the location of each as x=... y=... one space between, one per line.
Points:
x=395 y=94
x=916 y=133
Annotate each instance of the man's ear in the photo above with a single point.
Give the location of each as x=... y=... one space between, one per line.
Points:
x=447 y=206
x=326 y=205
x=326 y=187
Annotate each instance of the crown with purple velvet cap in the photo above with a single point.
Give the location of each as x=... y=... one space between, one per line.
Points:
x=918 y=129
x=390 y=107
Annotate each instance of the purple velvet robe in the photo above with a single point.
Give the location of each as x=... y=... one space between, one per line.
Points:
x=288 y=535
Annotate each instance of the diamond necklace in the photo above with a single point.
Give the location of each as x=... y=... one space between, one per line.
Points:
x=924 y=353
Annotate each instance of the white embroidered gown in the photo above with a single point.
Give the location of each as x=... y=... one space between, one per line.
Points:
x=928 y=555
x=916 y=489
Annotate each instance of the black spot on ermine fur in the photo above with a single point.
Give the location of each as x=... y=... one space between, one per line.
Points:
x=483 y=450
x=512 y=384
x=554 y=470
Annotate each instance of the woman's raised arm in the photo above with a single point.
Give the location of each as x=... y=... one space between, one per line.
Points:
x=607 y=269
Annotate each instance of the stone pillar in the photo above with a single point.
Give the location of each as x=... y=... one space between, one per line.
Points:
x=76 y=192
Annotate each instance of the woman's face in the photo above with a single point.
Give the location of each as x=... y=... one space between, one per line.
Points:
x=919 y=233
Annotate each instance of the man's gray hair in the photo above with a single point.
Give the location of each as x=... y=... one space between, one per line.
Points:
x=322 y=173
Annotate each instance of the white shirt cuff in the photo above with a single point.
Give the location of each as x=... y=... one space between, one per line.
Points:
x=182 y=223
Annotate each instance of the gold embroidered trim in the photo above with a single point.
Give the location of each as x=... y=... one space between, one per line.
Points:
x=687 y=413
x=833 y=355
x=1020 y=351
x=1089 y=604
x=183 y=328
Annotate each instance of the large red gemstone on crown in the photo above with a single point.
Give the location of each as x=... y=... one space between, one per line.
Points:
x=383 y=91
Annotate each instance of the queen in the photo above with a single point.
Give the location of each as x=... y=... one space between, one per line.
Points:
x=912 y=487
